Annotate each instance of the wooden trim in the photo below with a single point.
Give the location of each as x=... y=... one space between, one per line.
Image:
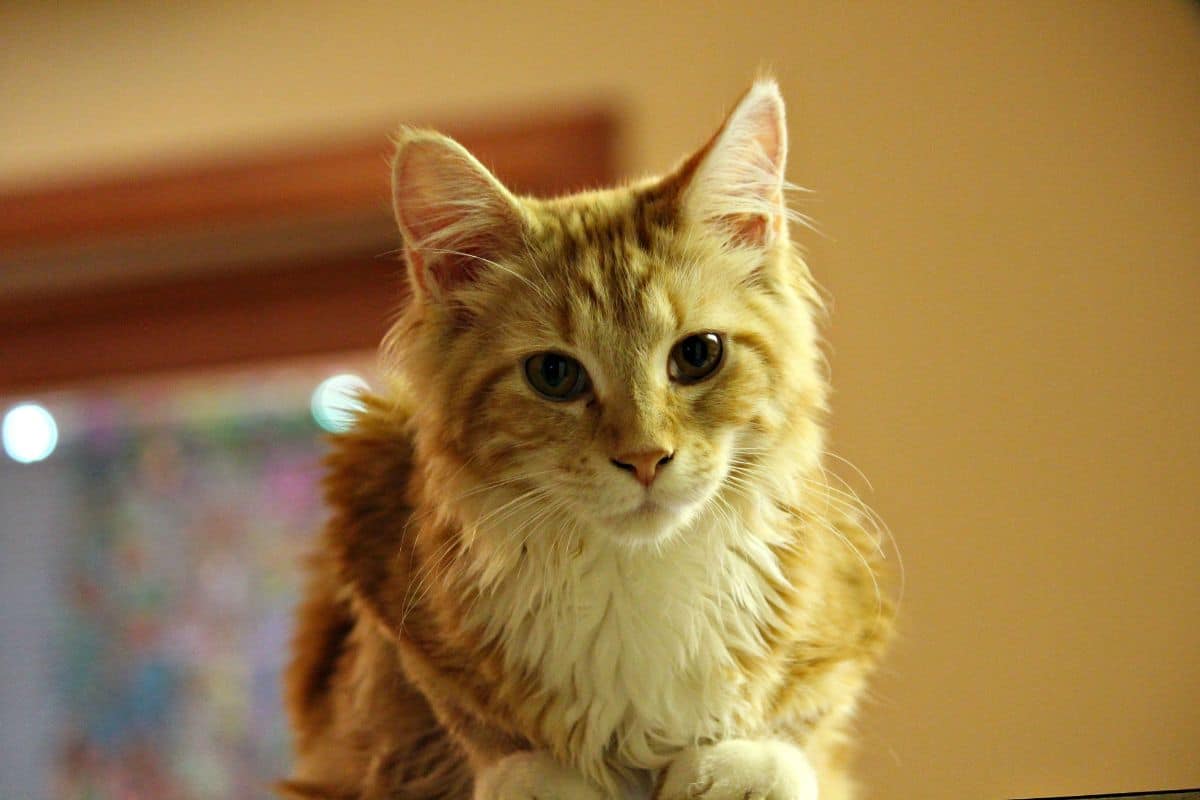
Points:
x=70 y=330
x=199 y=321
x=544 y=155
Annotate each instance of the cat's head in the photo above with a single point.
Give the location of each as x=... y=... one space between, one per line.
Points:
x=620 y=361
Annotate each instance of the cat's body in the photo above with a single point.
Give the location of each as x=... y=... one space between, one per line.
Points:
x=622 y=572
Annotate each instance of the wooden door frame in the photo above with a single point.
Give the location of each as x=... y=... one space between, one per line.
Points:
x=282 y=254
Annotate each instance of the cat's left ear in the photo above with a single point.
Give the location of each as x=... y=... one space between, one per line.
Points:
x=457 y=220
x=735 y=183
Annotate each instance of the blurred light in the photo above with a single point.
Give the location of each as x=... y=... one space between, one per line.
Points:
x=336 y=401
x=29 y=433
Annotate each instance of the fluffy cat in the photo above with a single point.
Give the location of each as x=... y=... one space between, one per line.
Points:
x=584 y=548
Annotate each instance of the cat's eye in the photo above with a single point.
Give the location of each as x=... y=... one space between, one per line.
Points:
x=695 y=358
x=556 y=376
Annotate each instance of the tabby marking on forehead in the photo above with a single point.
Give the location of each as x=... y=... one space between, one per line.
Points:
x=605 y=255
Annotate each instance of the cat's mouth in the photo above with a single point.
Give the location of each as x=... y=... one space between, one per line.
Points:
x=663 y=506
x=653 y=514
x=660 y=503
x=649 y=508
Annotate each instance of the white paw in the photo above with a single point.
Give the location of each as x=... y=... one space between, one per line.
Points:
x=740 y=770
x=532 y=776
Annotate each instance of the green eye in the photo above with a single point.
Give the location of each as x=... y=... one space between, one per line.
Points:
x=696 y=357
x=556 y=377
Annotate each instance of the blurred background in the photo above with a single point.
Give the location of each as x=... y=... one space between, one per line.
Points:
x=193 y=239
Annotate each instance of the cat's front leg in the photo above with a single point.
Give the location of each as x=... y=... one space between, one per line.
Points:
x=532 y=775
x=740 y=769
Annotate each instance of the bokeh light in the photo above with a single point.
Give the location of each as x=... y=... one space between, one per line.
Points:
x=336 y=401
x=29 y=433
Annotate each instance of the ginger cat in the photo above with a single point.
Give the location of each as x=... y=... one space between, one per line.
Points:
x=585 y=547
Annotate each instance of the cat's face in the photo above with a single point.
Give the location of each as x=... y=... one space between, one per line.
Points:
x=617 y=361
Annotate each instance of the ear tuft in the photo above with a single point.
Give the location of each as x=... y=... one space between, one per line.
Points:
x=735 y=183
x=455 y=217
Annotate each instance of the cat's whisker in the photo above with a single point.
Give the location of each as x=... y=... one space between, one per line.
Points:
x=536 y=490
x=849 y=501
x=541 y=291
x=852 y=466
x=415 y=592
x=849 y=492
x=529 y=525
x=742 y=474
x=442 y=559
x=851 y=509
x=496 y=484
x=733 y=479
x=829 y=528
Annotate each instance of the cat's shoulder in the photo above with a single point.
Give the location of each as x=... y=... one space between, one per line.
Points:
x=368 y=487
x=374 y=457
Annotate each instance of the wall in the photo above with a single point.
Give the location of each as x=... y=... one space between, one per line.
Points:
x=1008 y=194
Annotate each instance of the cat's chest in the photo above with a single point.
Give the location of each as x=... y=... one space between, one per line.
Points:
x=640 y=651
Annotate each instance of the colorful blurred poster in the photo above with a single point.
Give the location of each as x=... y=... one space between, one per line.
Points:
x=180 y=577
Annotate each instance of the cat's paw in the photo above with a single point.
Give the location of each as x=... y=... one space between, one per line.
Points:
x=532 y=776
x=740 y=770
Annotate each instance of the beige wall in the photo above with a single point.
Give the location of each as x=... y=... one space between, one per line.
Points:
x=1009 y=193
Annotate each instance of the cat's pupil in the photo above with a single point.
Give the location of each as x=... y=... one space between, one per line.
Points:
x=554 y=369
x=695 y=351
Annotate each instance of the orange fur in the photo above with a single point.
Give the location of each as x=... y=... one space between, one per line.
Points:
x=489 y=584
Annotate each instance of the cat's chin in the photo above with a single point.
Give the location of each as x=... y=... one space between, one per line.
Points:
x=649 y=524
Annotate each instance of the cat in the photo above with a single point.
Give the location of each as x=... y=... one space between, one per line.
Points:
x=584 y=546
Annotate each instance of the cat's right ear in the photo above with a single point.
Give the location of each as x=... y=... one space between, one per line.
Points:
x=457 y=220
x=734 y=185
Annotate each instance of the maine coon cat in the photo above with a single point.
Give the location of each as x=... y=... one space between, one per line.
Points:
x=584 y=546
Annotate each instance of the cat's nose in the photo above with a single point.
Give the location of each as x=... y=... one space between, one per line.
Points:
x=644 y=465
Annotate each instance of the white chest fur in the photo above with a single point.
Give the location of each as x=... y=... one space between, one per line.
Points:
x=636 y=646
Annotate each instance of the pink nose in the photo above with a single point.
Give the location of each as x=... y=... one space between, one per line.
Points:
x=643 y=465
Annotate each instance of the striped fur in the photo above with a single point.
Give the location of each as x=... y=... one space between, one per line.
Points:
x=498 y=612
